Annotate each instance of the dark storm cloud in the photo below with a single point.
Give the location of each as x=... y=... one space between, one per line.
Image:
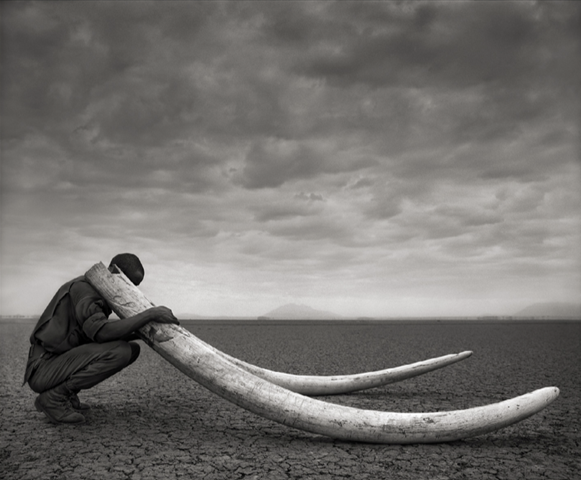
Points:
x=500 y=56
x=421 y=44
x=272 y=162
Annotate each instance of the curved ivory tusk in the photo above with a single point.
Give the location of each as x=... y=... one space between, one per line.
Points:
x=314 y=385
x=194 y=358
x=202 y=364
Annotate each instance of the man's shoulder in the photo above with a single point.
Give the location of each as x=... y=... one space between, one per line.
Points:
x=62 y=296
x=81 y=284
x=85 y=297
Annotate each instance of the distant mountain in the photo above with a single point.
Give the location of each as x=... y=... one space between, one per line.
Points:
x=551 y=309
x=293 y=311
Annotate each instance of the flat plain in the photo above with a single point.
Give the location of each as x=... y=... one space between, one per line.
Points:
x=152 y=422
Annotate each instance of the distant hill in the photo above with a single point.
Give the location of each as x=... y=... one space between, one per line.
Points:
x=293 y=311
x=551 y=309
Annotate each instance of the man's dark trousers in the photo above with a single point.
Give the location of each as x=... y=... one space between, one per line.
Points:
x=84 y=366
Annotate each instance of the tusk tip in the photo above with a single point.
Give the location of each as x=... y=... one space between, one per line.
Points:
x=555 y=391
x=550 y=393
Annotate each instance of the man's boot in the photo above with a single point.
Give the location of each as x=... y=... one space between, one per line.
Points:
x=76 y=403
x=55 y=404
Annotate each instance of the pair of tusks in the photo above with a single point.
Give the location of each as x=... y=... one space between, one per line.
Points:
x=269 y=394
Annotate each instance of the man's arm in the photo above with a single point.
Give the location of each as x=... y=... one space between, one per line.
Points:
x=127 y=326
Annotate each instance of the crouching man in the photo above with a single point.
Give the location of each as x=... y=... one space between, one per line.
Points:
x=74 y=346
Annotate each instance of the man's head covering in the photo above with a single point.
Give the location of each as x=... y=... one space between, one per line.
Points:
x=130 y=265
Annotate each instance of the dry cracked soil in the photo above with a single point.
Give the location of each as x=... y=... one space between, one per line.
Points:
x=152 y=422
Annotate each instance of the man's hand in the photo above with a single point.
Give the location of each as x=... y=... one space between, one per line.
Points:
x=120 y=329
x=162 y=314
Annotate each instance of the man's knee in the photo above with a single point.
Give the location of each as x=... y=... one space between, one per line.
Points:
x=135 y=350
x=122 y=353
x=84 y=364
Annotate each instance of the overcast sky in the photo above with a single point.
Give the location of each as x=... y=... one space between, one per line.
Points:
x=368 y=158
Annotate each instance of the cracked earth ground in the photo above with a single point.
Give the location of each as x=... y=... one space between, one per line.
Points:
x=152 y=422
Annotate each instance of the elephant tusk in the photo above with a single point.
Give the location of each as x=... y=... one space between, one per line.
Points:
x=314 y=385
x=201 y=363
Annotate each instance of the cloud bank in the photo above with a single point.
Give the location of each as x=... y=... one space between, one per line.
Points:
x=370 y=158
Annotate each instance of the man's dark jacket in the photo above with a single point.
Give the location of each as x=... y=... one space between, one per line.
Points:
x=72 y=318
